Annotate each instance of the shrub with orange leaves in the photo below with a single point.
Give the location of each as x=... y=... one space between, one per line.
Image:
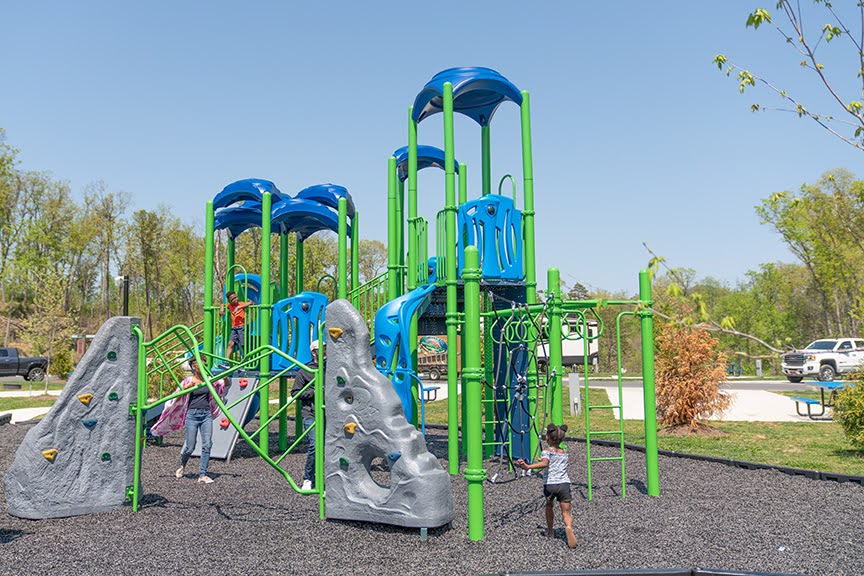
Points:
x=688 y=370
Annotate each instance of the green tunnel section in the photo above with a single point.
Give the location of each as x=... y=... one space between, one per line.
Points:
x=79 y=459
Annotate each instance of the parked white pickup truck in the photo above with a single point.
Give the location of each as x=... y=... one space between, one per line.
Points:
x=824 y=359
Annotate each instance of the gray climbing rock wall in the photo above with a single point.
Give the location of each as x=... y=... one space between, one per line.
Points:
x=366 y=426
x=91 y=431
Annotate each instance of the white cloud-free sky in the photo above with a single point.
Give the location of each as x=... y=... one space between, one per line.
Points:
x=636 y=135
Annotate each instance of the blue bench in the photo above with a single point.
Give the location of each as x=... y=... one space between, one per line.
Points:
x=809 y=402
x=430 y=393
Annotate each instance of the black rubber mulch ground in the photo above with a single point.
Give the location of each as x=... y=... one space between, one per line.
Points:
x=249 y=522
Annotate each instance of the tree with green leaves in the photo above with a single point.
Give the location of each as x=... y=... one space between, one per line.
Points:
x=841 y=30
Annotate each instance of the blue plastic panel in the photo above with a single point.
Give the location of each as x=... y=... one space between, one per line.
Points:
x=238 y=219
x=477 y=93
x=248 y=189
x=305 y=217
x=328 y=194
x=295 y=326
x=494 y=225
x=393 y=342
x=427 y=157
x=250 y=284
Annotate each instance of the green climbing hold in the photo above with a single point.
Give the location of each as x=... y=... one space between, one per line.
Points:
x=343 y=463
x=112 y=355
x=113 y=396
x=340 y=380
x=106 y=456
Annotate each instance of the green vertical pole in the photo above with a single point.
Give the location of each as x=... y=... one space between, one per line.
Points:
x=486 y=159
x=556 y=370
x=649 y=397
x=264 y=312
x=230 y=250
x=392 y=228
x=298 y=266
x=342 y=281
x=283 y=382
x=319 y=432
x=475 y=475
x=209 y=311
x=463 y=183
x=141 y=401
x=400 y=236
x=412 y=203
x=452 y=316
x=528 y=209
x=298 y=287
x=355 y=251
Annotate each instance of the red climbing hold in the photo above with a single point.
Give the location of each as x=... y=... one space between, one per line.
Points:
x=243 y=382
x=224 y=423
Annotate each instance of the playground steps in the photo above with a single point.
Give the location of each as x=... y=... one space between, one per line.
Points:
x=589 y=433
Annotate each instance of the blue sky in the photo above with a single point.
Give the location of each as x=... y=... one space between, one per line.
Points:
x=636 y=135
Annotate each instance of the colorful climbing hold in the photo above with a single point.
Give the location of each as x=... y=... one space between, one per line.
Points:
x=349 y=399
x=106 y=456
x=50 y=454
x=224 y=423
x=335 y=333
x=343 y=462
x=112 y=355
x=243 y=383
x=113 y=396
x=89 y=423
x=340 y=381
x=394 y=455
x=350 y=427
x=85 y=398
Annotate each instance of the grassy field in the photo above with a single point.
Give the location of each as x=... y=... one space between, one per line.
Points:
x=26 y=402
x=812 y=445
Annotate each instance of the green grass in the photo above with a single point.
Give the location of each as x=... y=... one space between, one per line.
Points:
x=26 y=402
x=812 y=445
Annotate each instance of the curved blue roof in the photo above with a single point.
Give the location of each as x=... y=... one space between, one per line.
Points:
x=328 y=194
x=305 y=217
x=477 y=93
x=238 y=219
x=248 y=189
x=427 y=157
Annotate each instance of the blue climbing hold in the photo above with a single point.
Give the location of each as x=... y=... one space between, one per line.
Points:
x=89 y=423
x=394 y=455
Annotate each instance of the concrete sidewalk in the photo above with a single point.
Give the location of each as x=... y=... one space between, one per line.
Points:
x=747 y=405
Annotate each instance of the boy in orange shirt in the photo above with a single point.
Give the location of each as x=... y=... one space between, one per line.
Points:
x=238 y=319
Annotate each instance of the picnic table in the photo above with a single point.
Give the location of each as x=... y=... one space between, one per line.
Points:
x=832 y=388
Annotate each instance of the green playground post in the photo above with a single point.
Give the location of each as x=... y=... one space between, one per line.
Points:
x=452 y=314
x=411 y=282
x=264 y=312
x=231 y=250
x=283 y=381
x=400 y=236
x=342 y=281
x=649 y=397
x=355 y=250
x=486 y=158
x=298 y=287
x=472 y=373
x=392 y=227
x=141 y=401
x=209 y=310
x=556 y=369
x=528 y=208
x=463 y=185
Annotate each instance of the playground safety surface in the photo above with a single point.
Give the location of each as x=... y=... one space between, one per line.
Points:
x=708 y=515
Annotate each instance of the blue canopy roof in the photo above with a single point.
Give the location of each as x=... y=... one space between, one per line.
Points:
x=477 y=93
x=427 y=157
x=305 y=217
x=248 y=189
x=238 y=219
x=328 y=194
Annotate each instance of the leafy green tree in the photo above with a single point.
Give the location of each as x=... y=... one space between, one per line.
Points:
x=843 y=31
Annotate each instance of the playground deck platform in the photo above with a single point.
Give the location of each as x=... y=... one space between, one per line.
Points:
x=708 y=515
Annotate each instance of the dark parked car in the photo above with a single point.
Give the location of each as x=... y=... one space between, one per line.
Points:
x=11 y=364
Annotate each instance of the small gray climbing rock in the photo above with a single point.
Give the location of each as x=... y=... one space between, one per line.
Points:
x=80 y=458
x=376 y=465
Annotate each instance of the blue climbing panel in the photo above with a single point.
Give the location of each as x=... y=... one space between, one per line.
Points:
x=393 y=343
x=494 y=225
x=248 y=287
x=295 y=326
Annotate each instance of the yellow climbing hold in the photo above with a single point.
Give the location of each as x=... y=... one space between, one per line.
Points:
x=334 y=333
x=350 y=427
x=50 y=454
x=85 y=398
